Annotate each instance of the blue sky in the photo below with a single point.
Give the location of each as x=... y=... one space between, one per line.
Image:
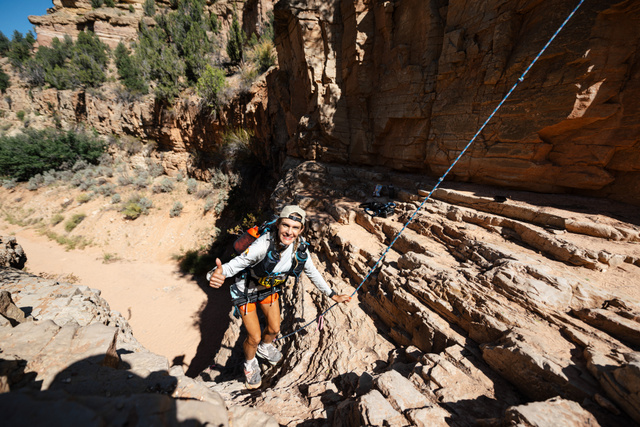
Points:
x=13 y=14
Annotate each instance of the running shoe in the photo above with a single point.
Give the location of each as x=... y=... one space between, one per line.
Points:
x=252 y=376
x=269 y=353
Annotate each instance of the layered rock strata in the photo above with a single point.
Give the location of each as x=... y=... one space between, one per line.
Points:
x=483 y=311
x=407 y=84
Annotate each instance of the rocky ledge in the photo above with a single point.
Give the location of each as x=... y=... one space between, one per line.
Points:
x=64 y=355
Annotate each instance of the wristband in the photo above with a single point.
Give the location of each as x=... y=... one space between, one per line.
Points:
x=332 y=294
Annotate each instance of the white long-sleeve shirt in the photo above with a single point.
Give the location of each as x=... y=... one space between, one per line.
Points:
x=256 y=253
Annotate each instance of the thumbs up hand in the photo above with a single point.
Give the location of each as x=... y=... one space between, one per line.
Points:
x=217 y=278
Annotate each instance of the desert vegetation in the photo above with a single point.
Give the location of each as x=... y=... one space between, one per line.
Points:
x=183 y=50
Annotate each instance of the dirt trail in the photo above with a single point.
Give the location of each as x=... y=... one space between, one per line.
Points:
x=161 y=305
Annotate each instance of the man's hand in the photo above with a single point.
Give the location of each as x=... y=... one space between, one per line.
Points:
x=341 y=298
x=217 y=278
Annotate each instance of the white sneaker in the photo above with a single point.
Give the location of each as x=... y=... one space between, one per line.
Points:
x=252 y=375
x=269 y=353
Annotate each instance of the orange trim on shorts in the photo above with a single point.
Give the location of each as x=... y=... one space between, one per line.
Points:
x=248 y=308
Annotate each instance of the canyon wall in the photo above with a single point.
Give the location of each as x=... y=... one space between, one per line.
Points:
x=406 y=84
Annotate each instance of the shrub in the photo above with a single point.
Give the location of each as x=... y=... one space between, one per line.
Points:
x=96 y=3
x=149 y=7
x=165 y=186
x=89 y=59
x=203 y=193
x=74 y=221
x=130 y=72
x=263 y=55
x=179 y=177
x=176 y=209
x=83 y=198
x=50 y=177
x=160 y=62
x=9 y=183
x=4 y=81
x=141 y=182
x=57 y=219
x=106 y=189
x=208 y=205
x=210 y=85
x=156 y=169
x=109 y=3
x=32 y=152
x=35 y=182
x=235 y=42
x=219 y=179
x=132 y=210
x=131 y=8
x=222 y=202
x=192 y=186
x=20 y=49
x=5 y=44
x=86 y=184
x=146 y=204
x=124 y=180
x=186 y=28
x=20 y=115
x=116 y=198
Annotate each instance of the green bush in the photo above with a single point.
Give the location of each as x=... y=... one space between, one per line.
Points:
x=20 y=48
x=83 y=198
x=20 y=115
x=160 y=62
x=263 y=55
x=109 y=3
x=74 y=221
x=132 y=210
x=89 y=59
x=186 y=29
x=96 y=3
x=129 y=70
x=37 y=151
x=210 y=85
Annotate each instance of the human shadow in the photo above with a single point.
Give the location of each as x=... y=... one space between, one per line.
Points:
x=92 y=391
x=213 y=321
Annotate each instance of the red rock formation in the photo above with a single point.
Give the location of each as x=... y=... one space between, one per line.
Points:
x=407 y=84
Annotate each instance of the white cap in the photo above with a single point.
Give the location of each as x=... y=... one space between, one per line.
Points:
x=293 y=212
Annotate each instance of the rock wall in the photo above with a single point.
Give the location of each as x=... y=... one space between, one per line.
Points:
x=406 y=84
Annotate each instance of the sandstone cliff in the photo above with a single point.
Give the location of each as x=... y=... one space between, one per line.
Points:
x=406 y=84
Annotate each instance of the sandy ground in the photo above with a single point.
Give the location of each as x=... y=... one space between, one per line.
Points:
x=161 y=305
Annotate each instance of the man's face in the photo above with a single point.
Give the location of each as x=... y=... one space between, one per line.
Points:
x=288 y=231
